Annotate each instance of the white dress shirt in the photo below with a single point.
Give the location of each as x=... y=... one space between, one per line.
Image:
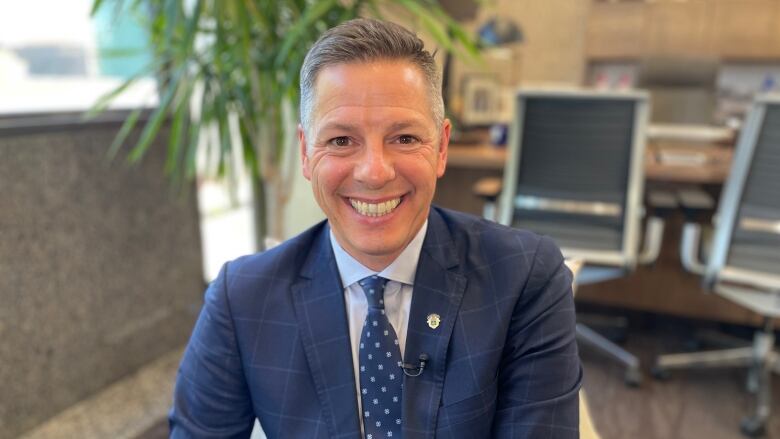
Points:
x=398 y=295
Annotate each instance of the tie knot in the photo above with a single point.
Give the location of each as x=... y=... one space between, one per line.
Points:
x=374 y=288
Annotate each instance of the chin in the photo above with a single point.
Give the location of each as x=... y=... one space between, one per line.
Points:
x=377 y=249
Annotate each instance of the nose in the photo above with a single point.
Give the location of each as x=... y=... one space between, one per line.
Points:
x=375 y=167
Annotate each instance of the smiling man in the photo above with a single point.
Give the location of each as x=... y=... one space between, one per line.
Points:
x=373 y=151
x=392 y=318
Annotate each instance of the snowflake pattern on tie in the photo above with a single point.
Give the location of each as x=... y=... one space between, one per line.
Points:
x=380 y=359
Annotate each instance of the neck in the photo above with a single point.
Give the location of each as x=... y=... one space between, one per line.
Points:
x=375 y=263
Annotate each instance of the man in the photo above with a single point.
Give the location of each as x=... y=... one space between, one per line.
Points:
x=391 y=318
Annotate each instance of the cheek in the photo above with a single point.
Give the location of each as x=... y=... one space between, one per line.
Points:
x=328 y=174
x=422 y=168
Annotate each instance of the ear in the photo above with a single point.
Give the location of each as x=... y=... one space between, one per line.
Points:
x=444 y=143
x=304 y=155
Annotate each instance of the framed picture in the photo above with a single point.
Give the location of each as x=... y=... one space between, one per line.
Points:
x=481 y=100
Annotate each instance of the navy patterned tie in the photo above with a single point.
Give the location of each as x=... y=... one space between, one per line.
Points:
x=380 y=375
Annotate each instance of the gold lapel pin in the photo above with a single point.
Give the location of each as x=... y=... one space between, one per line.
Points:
x=433 y=321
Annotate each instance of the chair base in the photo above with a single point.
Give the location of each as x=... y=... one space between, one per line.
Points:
x=760 y=359
x=633 y=375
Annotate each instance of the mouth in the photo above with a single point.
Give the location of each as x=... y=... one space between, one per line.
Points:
x=375 y=209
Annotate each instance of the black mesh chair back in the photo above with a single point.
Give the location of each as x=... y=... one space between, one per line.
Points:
x=747 y=246
x=575 y=171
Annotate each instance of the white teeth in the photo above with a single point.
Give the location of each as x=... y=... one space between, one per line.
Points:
x=378 y=209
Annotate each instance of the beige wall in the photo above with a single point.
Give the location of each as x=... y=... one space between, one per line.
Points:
x=553 y=50
x=554 y=46
x=721 y=29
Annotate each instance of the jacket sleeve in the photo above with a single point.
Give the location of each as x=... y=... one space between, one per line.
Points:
x=540 y=374
x=211 y=399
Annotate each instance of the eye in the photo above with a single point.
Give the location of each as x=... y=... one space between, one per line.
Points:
x=407 y=139
x=340 y=141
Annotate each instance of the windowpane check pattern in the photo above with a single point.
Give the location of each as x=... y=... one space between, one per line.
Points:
x=381 y=376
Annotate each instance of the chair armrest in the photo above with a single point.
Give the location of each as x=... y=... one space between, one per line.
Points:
x=661 y=204
x=654 y=234
x=689 y=248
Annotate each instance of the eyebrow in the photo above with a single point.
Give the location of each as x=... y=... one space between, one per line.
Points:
x=395 y=126
x=339 y=126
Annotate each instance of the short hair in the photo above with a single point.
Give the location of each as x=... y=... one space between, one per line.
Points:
x=365 y=40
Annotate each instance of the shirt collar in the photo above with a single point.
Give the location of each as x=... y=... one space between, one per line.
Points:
x=402 y=269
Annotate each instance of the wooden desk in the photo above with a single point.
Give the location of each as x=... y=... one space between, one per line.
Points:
x=482 y=156
x=664 y=161
x=675 y=163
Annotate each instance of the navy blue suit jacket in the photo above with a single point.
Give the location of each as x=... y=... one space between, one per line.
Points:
x=272 y=342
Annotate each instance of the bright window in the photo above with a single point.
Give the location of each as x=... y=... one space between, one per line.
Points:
x=55 y=57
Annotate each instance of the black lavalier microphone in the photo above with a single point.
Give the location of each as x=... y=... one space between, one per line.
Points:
x=413 y=370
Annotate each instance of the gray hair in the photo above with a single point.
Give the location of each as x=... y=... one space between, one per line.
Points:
x=365 y=40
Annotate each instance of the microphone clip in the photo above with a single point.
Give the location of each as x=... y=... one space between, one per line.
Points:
x=415 y=370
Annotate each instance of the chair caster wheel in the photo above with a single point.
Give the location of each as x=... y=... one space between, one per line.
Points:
x=752 y=427
x=633 y=378
x=660 y=373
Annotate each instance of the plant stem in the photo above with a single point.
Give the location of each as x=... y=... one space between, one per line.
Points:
x=259 y=212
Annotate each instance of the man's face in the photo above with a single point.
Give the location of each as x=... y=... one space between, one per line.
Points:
x=374 y=155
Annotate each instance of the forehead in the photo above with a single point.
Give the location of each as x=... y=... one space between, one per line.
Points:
x=368 y=86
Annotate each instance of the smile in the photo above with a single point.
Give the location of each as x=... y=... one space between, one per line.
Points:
x=374 y=209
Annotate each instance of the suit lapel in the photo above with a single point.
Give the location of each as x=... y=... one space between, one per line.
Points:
x=320 y=309
x=438 y=289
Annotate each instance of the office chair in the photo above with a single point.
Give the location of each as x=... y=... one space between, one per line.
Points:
x=743 y=264
x=574 y=172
